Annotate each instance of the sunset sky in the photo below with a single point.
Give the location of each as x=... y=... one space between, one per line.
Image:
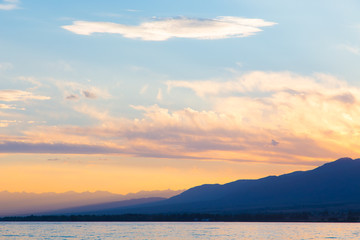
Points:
x=133 y=95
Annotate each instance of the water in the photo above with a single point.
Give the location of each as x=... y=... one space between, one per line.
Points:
x=174 y=231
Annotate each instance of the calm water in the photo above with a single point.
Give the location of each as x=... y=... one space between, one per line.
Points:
x=155 y=230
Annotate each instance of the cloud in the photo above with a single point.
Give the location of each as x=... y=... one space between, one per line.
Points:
x=159 y=95
x=18 y=95
x=23 y=147
x=93 y=112
x=263 y=82
x=9 y=4
x=214 y=135
x=6 y=123
x=314 y=116
x=350 y=48
x=345 y=98
x=64 y=66
x=72 y=97
x=318 y=107
x=274 y=142
x=89 y=94
x=164 y=29
x=5 y=65
x=6 y=106
x=144 y=89
x=31 y=80
x=307 y=118
x=73 y=90
x=132 y=10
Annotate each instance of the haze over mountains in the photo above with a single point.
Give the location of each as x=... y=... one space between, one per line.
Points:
x=333 y=185
x=22 y=203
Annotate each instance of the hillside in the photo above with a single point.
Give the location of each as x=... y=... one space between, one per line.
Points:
x=333 y=185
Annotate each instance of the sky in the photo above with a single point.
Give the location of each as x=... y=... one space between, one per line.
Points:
x=132 y=95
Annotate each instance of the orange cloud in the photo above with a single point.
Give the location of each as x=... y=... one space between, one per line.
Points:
x=308 y=117
x=10 y=95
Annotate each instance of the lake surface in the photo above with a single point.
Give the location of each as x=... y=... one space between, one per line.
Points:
x=170 y=230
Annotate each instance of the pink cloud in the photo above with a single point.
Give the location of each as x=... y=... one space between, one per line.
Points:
x=310 y=117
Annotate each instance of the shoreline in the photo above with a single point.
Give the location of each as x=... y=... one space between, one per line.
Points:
x=194 y=217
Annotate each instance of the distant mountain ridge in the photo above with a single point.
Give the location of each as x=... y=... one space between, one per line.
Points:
x=103 y=208
x=334 y=184
x=337 y=182
x=22 y=203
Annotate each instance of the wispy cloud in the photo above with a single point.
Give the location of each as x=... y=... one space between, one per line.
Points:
x=10 y=95
x=274 y=142
x=144 y=89
x=6 y=123
x=72 y=97
x=36 y=84
x=350 y=48
x=6 y=106
x=73 y=90
x=61 y=65
x=10 y=106
x=9 y=4
x=262 y=82
x=132 y=10
x=21 y=147
x=89 y=94
x=159 y=95
x=5 y=66
x=164 y=29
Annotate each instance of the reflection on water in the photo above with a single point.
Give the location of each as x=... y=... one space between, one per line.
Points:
x=169 y=230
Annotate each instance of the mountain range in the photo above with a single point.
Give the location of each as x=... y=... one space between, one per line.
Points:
x=23 y=203
x=334 y=185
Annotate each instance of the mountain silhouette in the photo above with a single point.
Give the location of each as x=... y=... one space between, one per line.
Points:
x=335 y=184
x=23 y=203
x=103 y=208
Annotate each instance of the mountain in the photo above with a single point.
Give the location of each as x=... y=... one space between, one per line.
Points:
x=22 y=203
x=103 y=208
x=333 y=185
